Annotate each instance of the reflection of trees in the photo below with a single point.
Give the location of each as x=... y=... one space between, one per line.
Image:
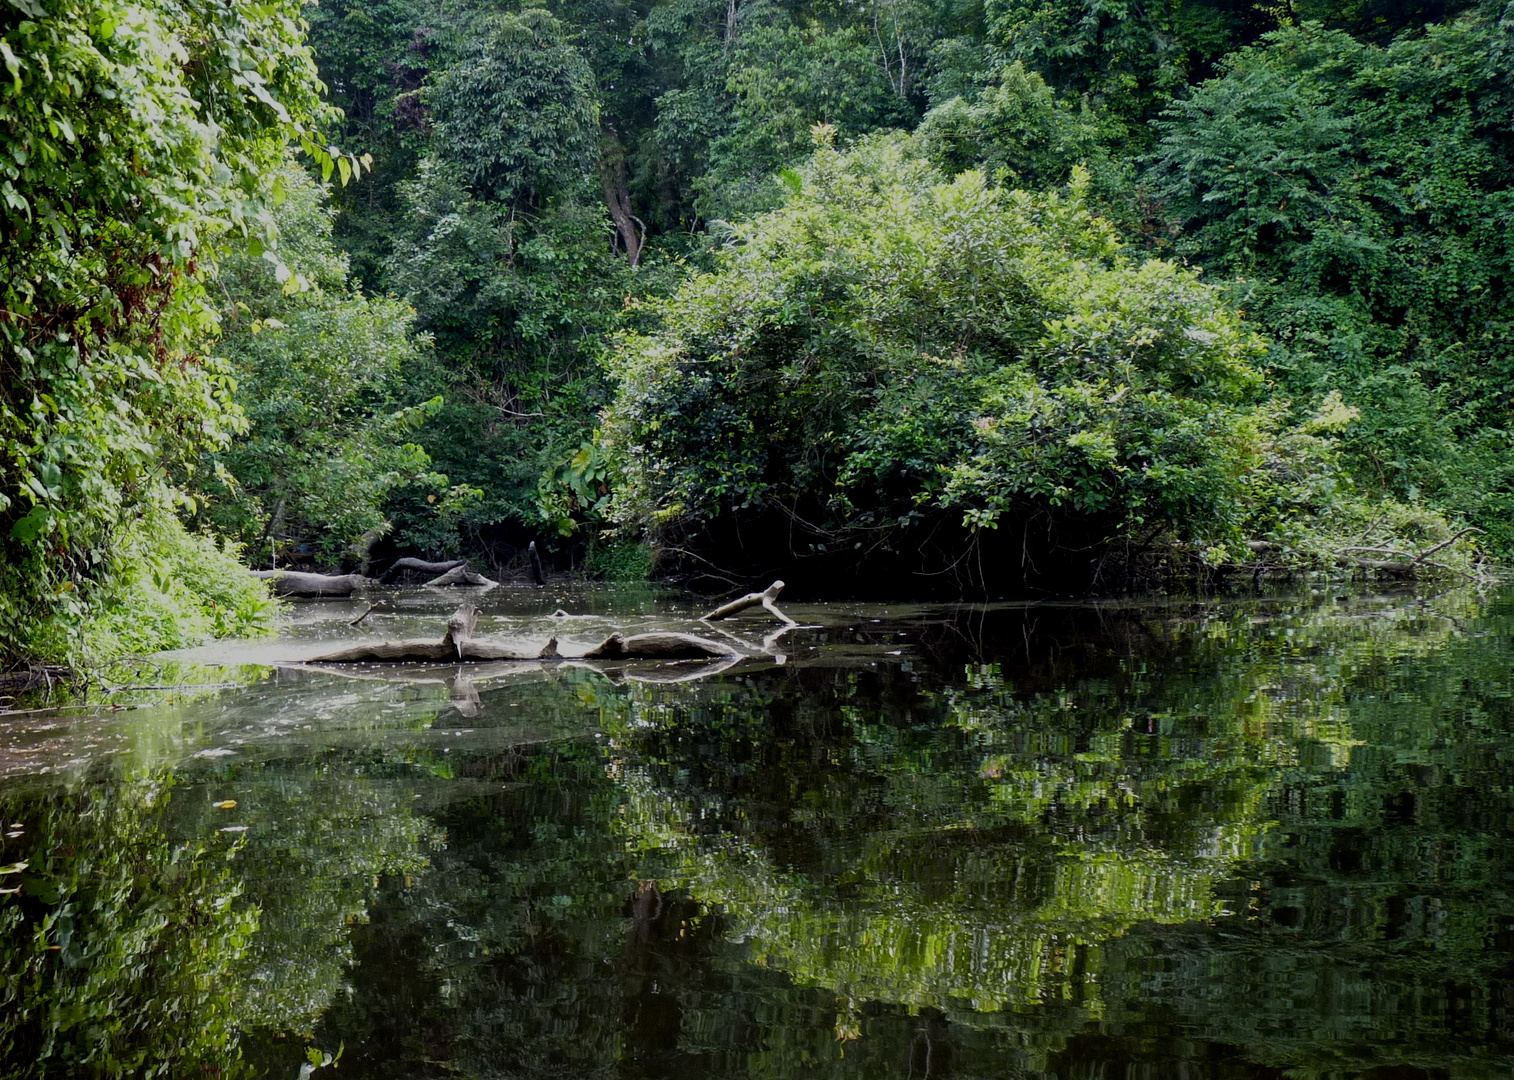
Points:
x=493 y=961
x=151 y=932
x=1375 y=928
x=976 y=860
x=531 y=949
x=319 y=836
x=996 y=861
x=1021 y=862
x=118 y=955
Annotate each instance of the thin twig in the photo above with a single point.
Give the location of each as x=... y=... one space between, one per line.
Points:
x=364 y=615
x=176 y=686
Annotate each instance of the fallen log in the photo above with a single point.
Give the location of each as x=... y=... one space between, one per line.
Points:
x=296 y=583
x=420 y=566
x=481 y=674
x=1381 y=566
x=660 y=646
x=657 y=646
x=458 y=645
x=766 y=598
x=1401 y=569
x=461 y=575
x=420 y=652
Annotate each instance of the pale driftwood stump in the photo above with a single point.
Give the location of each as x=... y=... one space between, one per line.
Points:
x=460 y=627
x=766 y=598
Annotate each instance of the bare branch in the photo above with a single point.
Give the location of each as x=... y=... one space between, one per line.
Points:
x=766 y=598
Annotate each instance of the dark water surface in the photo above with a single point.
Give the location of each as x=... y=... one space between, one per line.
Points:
x=1219 y=839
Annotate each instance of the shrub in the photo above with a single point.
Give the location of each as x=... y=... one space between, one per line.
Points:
x=890 y=351
x=170 y=589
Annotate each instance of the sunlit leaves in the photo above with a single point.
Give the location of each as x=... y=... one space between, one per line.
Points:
x=132 y=140
x=1360 y=193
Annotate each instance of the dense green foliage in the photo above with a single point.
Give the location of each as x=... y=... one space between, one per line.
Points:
x=538 y=173
x=1360 y=198
x=889 y=346
x=320 y=373
x=892 y=357
x=423 y=370
x=134 y=139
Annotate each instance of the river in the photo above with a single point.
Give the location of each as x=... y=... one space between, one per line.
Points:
x=1205 y=838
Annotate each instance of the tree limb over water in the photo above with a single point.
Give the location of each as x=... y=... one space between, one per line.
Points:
x=300 y=584
x=767 y=598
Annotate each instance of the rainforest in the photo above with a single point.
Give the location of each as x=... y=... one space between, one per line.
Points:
x=723 y=539
x=889 y=299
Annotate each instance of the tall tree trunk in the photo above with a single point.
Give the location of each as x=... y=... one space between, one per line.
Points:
x=612 y=174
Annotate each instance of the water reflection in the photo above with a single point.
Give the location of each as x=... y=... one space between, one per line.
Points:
x=1230 y=839
x=119 y=945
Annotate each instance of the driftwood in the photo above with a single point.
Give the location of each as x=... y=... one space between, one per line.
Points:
x=31 y=676
x=461 y=575
x=420 y=566
x=1395 y=562
x=537 y=574
x=766 y=598
x=664 y=645
x=458 y=645
x=1347 y=556
x=1399 y=569
x=451 y=572
x=460 y=628
x=420 y=652
x=481 y=676
x=295 y=583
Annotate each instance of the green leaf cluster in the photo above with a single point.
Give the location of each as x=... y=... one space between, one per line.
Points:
x=891 y=346
x=133 y=138
x=325 y=378
x=1358 y=196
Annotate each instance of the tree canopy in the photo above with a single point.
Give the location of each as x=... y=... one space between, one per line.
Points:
x=1226 y=278
x=890 y=349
